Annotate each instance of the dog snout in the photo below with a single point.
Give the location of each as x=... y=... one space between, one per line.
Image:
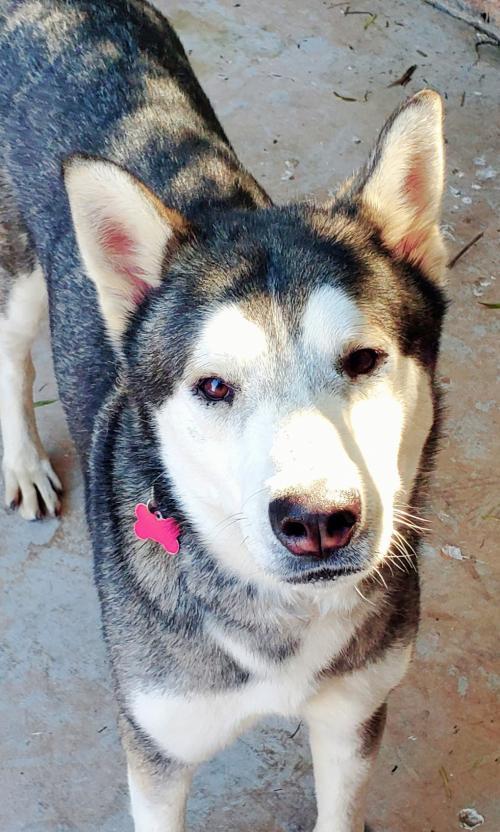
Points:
x=315 y=532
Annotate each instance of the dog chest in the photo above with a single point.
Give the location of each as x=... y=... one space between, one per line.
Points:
x=192 y=726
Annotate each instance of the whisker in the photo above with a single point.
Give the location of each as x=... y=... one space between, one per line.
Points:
x=230 y=518
x=400 y=507
x=404 y=554
x=392 y=558
x=379 y=575
x=231 y=522
x=402 y=512
x=363 y=597
x=412 y=526
x=390 y=567
x=404 y=543
x=255 y=493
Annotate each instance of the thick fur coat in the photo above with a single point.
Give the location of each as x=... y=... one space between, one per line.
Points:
x=229 y=360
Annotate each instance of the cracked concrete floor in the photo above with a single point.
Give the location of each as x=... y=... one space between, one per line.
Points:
x=274 y=72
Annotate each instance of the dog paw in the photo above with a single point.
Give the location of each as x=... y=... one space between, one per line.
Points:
x=32 y=486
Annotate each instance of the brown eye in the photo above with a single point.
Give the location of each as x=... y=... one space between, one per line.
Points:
x=215 y=389
x=361 y=362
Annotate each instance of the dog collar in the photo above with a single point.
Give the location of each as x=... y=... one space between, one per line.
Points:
x=151 y=525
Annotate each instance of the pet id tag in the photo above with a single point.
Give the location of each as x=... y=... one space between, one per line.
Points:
x=150 y=525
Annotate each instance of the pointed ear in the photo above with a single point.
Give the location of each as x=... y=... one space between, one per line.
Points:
x=401 y=186
x=124 y=233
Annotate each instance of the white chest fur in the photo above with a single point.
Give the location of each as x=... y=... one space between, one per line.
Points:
x=192 y=727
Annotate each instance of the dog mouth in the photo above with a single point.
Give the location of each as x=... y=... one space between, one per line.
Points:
x=281 y=565
x=322 y=574
x=342 y=563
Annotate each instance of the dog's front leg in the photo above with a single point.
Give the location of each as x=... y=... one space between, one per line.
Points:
x=342 y=764
x=158 y=794
x=346 y=720
x=158 y=786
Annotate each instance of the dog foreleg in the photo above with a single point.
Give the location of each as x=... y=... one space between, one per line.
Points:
x=30 y=481
x=158 y=796
x=346 y=720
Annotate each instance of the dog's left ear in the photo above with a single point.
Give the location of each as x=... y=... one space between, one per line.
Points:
x=401 y=186
x=124 y=232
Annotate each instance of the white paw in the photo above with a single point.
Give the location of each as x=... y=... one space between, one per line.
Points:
x=31 y=485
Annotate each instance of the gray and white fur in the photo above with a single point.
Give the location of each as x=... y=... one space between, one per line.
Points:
x=265 y=374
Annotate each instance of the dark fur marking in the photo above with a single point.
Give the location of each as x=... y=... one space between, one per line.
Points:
x=394 y=622
x=371 y=731
x=137 y=742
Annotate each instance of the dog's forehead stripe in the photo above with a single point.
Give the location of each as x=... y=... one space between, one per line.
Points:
x=229 y=333
x=330 y=319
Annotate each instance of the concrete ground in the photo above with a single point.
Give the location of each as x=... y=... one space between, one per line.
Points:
x=276 y=73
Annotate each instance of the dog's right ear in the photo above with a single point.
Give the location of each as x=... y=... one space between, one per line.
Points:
x=124 y=233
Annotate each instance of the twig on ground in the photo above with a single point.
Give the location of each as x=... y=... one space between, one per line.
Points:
x=405 y=78
x=446 y=782
x=466 y=248
x=343 y=97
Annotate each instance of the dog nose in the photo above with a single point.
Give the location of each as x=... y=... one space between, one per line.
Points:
x=319 y=534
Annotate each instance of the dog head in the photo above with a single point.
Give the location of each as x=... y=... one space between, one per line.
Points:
x=285 y=356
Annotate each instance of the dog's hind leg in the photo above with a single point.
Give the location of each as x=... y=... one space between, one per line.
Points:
x=31 y=485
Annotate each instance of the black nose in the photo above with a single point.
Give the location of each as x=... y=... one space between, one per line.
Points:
x=319 y=534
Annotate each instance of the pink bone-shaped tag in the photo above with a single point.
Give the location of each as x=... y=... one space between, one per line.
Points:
x=149 y=526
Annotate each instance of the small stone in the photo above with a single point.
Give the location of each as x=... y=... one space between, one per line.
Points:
x=447 y=231
x=485 y=407
x=452 y=552
x=470 y=819
x=480 y=286
x=445 y=518
x=487 y=173
x=290 y=165
x=479 y=161
x=467 y=200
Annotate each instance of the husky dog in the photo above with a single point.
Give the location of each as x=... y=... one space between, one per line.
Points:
x=261 y=376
